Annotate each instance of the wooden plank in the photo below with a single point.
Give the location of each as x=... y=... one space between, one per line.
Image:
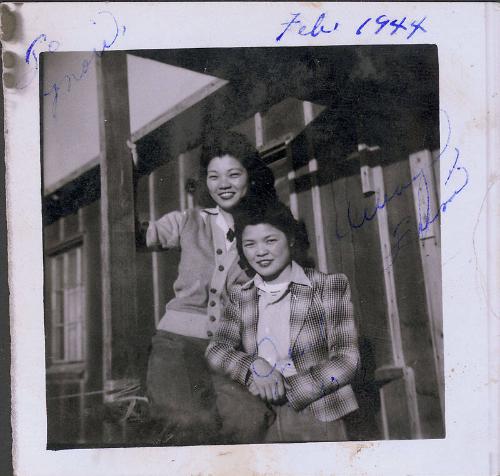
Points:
x=400 y=396
x=259 y=131
x=291 y=176
x=409 y=277
x=437 y=172
x=153 y=215
x=400 y=417
x=117 y=224
x=430 y=254
x=377 y=180
x=319 y=229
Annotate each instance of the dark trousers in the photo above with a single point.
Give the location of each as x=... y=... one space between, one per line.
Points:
x=196 y=406
x=291 y=426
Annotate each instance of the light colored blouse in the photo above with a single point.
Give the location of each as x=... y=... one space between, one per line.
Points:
x=273 y=328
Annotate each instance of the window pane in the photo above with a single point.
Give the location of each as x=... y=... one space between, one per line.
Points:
x=74 y=341
x=57 y=272
x=67 y=306
x=70 y=278
x=58 y=351
x=71 y=343
x=72 y=304
x=57 y=307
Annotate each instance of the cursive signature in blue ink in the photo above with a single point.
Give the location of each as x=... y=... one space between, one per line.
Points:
x=315 y=31
x=402 y=235
x=41 y=41
x=423 y=224
x=383 y=20
x=425 y=218
x=115 y=28
x=64 y=85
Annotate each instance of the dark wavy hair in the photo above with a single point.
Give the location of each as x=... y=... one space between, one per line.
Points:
x=278 y=215
x=260 y=176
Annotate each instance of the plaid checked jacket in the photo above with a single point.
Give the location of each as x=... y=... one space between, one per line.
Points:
x=323 y=343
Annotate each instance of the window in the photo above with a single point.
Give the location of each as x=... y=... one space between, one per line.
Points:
x=67 y=306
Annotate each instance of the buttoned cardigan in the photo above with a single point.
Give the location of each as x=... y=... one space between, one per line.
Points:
x=206 y=270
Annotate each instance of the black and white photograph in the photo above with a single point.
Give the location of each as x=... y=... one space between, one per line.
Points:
x=252 y=238
x=242 y=245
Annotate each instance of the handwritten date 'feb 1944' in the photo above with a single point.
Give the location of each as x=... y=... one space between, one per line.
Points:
x=373 y=25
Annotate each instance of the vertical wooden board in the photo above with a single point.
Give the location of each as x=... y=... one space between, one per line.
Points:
x=436 y=165
x=167 y=200
x=396 y=408
x=415 y=331
x=117 y=225
x=368 y=269
x=306 y=215
x=423 y=162
x=145 y=298
x=356 y=252
x=362 y=425
x=192 y=170
x=339 y=245
x=327 y=193
x=93 y=289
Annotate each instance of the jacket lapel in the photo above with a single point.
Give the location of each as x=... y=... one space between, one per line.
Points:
x=301 y=298
x=250 y=312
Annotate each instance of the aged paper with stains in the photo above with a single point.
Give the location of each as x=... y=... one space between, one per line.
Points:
x=466 y=38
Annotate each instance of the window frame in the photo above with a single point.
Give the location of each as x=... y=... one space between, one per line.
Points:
x=66 y=360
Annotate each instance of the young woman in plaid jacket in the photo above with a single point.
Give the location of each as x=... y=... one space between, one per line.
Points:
x=288 y=335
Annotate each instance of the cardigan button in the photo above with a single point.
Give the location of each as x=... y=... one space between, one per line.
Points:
x=212 y=303
x=210 y=333
x=219 y=251
x=212 y=318
x=213 y=290
x=221 y=268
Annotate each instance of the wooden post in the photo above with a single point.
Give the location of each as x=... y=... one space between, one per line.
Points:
x=319 y=229
x=117 y=225
x=398 y=393
x=430 y=254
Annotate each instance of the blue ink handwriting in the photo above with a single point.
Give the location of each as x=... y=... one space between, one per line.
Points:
x=273 y=367
x=315 y=31
x=402 y=236
x=383 y=20
x=425 y=218
x=42 y=43
x=296 y=24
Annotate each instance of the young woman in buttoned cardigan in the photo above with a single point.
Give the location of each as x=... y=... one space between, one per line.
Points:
x=180 y=385
x=288 y=335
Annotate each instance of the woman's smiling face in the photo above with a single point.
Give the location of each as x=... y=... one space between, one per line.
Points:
x=227 y=181
x=267 y=251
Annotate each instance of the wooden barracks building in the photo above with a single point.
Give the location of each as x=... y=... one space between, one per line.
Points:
x=345 y=129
